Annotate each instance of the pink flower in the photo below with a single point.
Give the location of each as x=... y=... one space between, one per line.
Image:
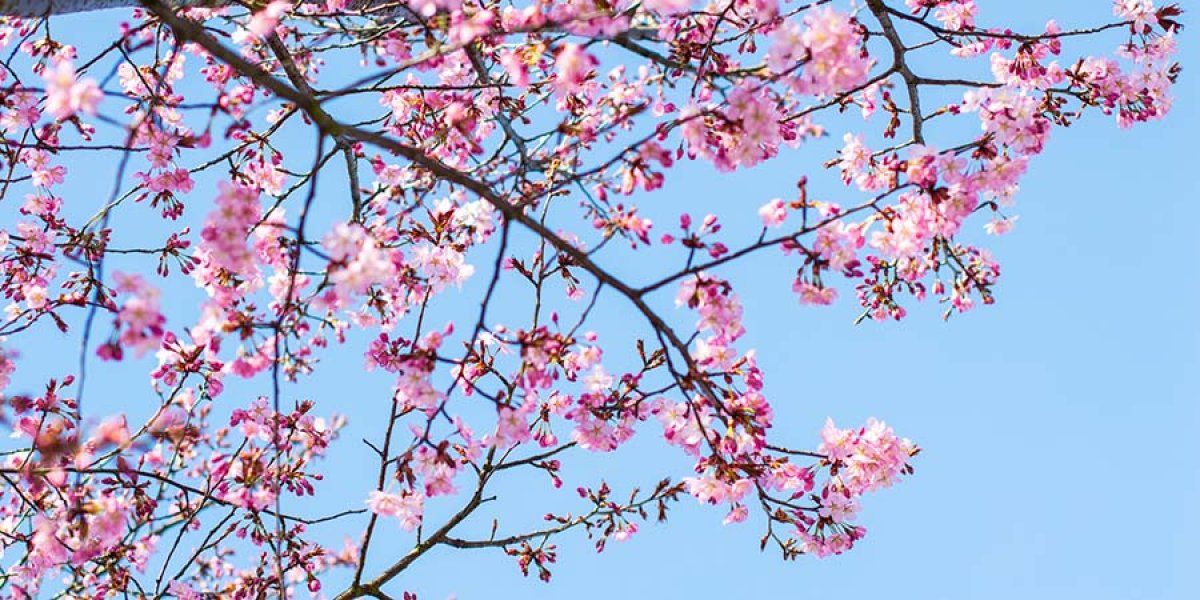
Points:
x=837 y=505
x=707 y=489
x=512 y=426
x=737 y=514
x=266 y=20
x=832 y=43
x=1000 y=225
x=1141 y=12
x=811 y=293
x=428 y=8
x=573 y=66
x=36 y=296
x=594 y=434
x=267 y=177
x=224 y=234
x=360 y=262
x=406 y=506
x=719 y=308
x=113 y=431
x=442 y=265
x=773 y=213
x=625 y=530
x=514 y=65
x=183 y=591
x=957 y=16
x=66 y=95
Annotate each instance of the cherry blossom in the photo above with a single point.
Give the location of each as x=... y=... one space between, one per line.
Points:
x=67 y=95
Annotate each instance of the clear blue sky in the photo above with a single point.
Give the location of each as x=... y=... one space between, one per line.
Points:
x=1059 y=425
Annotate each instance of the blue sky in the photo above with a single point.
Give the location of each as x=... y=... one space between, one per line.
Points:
x=1059 y=425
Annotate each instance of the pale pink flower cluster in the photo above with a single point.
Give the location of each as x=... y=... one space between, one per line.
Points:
x=719 y=308
x=21 y=112
x=812 y=293
x=597 y=427
x=830 y=49
x=223 y=239
x=178 y=359
x=251 y=478
x=754 y=136
x=477 y=219
x=1025 y=69
x=265 y=20
x=597 y=434
x=758 y=118
x=266 y=176
x=684 y=424
x=773 y=213
x=442 y=265
x=436 y=471
x=133 y=79
x=916 y=6
x=428 y=8
x=164 y=178
x=45 y=207
x=918 y=220
x=1141 y=12
x=413 y=387
x=870 y=457
x=512 y=426
x=357 y=261
x=67 y=95
x=1142 y=94
x=42 y=172
x=573 y=66
x=823 y=544
x=714 y=491
x=62 y=538
x=860 y=167
x=690 y=425
x=839 y=242
x=514 y=65
x=252 y=496
x=8 y=365
x=1000 y=225
x=139 y=320
x=407 y=507
x=861 y=461
x=947 y=191
x=1013 y=117
x=957 y=15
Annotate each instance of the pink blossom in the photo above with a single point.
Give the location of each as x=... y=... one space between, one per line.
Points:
x=67 y=95
x=267 y=19
x=773 y=213
x=957 y=15
x=1000 y=225
x=573 y=66
x=832 y=43
x=442 y=265
x=406 y=506
x=811 y=293
x=514 y=65
x=1141 y=12
x=225 y=231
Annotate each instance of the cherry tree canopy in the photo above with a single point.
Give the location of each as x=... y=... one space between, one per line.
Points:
x=312 y=179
